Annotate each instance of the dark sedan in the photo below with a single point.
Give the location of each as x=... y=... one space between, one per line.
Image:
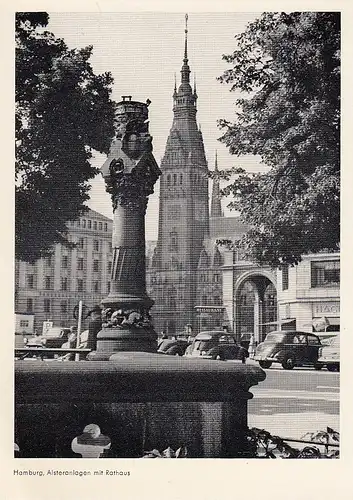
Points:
x=216 y=345
x=290 y=349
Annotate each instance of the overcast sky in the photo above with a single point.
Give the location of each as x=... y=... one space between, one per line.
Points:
x=143 y=51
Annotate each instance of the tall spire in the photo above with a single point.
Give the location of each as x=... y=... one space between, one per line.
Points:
x=175 y=85
x=186 y=40
x=185 y=70
x=216 y=207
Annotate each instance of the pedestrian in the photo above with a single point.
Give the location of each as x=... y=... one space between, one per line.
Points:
x=252 y=346
x=94 y=327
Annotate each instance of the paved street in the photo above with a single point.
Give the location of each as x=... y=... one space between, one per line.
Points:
x=291 y=403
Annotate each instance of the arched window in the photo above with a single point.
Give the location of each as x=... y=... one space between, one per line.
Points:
x=171 y=298
x=217 y=259
x=204 y=259
x=173 y=241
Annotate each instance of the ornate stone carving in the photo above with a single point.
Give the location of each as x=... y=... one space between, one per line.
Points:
x=131 y=171
x=127 y=318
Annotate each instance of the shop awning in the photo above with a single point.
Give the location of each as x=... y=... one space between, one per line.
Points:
x=279 y=322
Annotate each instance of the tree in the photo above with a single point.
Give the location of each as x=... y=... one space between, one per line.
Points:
x=63 y=112
x=289 y=65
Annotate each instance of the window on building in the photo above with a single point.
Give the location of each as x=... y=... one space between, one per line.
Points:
x=64 y=261
x=48 y=282
x=285 y=278
x=109 y=267
x=80 y=285
x=46 y=305
x=63 y=306
x=153 y=279
x=106 y=227
x=204 y=300
x=168 y=179
x=108 y=287
x=29 y=305
x=24 y=323
x=64 y=283
x=325 y=274
x=173 y=241
x=81 y=243
x=96 y=286
x=49 y=260
x=78 y=223
x=216 y=278
x=95 y=225
x=30 y=281
x=96 y=265
x=89 y=224
x=180 y=178
x=83 y=222
x=100 y=225
x=174 y=178
x=217 y=300
x=96 y=245
x=80 y=264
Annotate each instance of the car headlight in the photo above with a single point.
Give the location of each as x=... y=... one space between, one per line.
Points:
x=44 y=341
x=25 y=340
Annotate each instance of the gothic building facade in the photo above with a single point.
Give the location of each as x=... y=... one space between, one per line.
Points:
x=184 y=275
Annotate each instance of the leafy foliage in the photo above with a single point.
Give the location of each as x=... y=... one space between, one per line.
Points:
x=63 y=112
x=289 y=64
x=181 y=452
x=262 y=444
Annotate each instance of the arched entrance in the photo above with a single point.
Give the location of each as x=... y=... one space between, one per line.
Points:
x=255 y=306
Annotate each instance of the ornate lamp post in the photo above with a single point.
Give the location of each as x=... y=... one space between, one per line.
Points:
x=130 y=173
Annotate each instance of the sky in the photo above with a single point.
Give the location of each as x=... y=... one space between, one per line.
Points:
x=143 y=51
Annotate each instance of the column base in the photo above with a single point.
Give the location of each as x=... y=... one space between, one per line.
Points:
x=112 y=340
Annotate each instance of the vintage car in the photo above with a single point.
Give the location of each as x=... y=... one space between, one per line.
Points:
x=54 y=337
x=329 y=355
x=173 y=347
x=216 y=345
x=290 y=349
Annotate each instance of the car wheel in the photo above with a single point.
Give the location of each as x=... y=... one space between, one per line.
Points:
x=317 y=367
x=288 y=362
x=265 y=364
x=333 y=368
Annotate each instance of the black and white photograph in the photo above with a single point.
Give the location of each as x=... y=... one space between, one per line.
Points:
x=177 y=213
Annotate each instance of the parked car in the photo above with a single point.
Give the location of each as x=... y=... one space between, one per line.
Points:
x=216 y=345
x=173 y=347
x=329 y=355
x=290 y=349
x=54 y=337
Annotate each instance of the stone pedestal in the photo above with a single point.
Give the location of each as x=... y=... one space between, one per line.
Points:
x=139 y=401
x=130 y=173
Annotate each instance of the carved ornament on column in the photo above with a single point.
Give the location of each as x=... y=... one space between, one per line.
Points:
x=130 y=170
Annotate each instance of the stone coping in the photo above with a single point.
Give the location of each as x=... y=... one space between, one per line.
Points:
x=134 y=377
